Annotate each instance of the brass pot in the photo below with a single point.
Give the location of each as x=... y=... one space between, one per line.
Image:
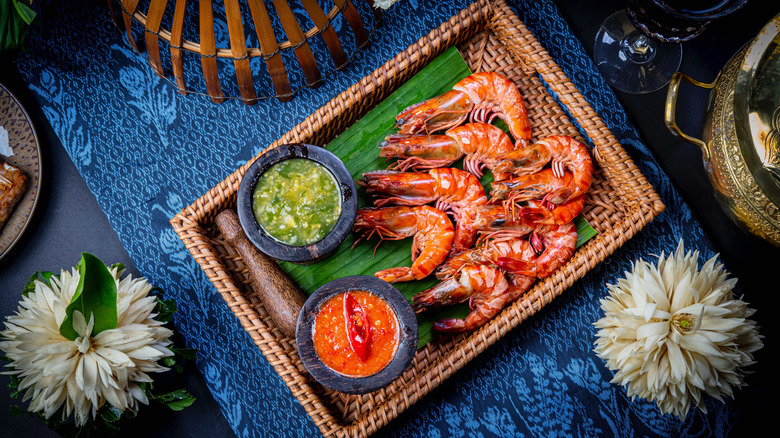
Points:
x=740 y=142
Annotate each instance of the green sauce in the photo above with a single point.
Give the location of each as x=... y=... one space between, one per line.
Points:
x=297 y=201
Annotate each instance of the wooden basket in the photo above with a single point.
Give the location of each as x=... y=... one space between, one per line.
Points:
x=260 y=21
x=490 y=37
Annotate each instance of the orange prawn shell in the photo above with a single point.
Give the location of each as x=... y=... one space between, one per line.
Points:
x=482 y=96
x=497 y=93
x=432 y=230
x=563 y=153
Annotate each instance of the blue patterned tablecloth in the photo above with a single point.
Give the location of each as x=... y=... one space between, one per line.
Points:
x=146 y=152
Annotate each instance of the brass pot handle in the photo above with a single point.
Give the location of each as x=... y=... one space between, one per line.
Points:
x=671 y=107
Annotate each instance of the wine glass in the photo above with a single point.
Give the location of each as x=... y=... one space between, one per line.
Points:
x=638 y=49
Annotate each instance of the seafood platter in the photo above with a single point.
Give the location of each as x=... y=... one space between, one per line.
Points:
x=479 y=202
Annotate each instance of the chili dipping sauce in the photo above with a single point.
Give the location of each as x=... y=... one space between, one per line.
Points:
x=297 y=201
x=331 y=334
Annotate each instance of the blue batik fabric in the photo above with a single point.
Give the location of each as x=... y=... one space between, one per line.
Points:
x=146 y=152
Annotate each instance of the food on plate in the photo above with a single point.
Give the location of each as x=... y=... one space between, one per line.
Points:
x=13 y=183
x=297 y=201
x=5 y=144
x=432 y=230
x=356 y=333
x=482 y=96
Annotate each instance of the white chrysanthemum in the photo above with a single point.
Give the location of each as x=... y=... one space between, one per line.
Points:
x=384 y=4
x=81 y=376
x=673 y=332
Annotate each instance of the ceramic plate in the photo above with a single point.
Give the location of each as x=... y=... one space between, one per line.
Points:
x=27 y=157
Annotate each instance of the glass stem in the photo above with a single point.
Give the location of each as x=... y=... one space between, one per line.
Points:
x=638 y=48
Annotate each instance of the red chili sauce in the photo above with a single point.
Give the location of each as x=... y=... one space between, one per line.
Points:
x=332 y=336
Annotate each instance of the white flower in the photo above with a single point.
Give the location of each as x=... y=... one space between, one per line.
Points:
x=673 y=332
x=384 y=4
x=80 y=376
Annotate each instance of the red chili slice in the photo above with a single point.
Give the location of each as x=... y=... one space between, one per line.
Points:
x=358 y=330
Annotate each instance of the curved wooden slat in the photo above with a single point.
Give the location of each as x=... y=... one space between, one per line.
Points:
x=177 y=61
x=246 y=84
x=329 y=34
x=273 y=57
x=153 y=19
x=253 y=52
x=297 y=38
x=208 y=51
x=112 y=14
x=128 y=9
x=355 y=22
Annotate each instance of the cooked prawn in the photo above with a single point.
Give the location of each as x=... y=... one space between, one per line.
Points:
x=564 y=153
x=484 y=96
x=451 y=189
x=519 y=284
x=540 y=213
x=478 y=142
x=521 y=188
x=485 y=287
x=495 y=252
x=432 y=230
x=487 y=219
x=554 y=245
x=490 y=251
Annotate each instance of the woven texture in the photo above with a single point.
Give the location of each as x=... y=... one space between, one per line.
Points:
x=146 y=153
x=490 y=37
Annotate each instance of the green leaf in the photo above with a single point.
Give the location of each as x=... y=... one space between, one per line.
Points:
x=44 y=276
x=179 y=353
x=358 y=148
x=110 y=414
x=95 y=296
x=13 y=29
x=181 y=404
x=175 y=400
x=24 y=11
x=165 y=309
x=584 y=231
x=187 y=353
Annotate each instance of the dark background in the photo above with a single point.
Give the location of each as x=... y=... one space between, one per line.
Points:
x=52 y=242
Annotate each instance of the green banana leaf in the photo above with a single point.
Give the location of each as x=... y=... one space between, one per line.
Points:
x=358 y=149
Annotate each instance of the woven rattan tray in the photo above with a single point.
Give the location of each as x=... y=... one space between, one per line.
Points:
x=490 y=37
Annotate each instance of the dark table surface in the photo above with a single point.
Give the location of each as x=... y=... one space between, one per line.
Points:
x=51 y=243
